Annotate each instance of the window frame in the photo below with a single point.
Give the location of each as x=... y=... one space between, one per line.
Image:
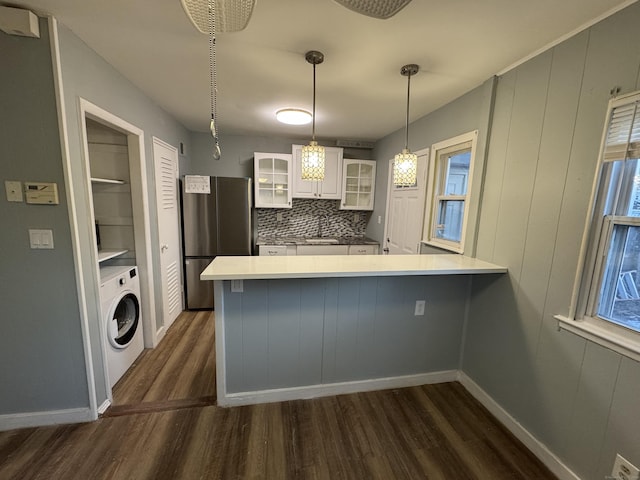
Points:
x=583 y=318
x=435 y=185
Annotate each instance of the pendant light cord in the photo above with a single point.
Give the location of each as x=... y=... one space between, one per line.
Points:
x=406 y=125
x=213 y=81
x=313 y=118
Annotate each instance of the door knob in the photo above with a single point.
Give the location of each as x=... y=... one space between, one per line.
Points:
x=164 y=247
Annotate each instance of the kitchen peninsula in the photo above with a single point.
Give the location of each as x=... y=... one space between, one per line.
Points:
x=305 y=326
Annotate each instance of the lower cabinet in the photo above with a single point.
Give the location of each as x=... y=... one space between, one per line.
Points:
x=322 y=249
x=363 y=249
x=283 y=250
x=276 y=250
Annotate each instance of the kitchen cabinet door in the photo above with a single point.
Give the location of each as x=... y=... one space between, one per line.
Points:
x=363 y=249
x=272 y=183
x=358 y=184
x=276 y=250
x=322 y=250
x=330 y=187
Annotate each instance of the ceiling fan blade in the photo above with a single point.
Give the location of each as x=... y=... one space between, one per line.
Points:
x=375 y=8
x=230 y=15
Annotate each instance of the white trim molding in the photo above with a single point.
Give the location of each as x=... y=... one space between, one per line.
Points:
x=536 y=447
x=597 y=332
x=41 y=419
x=325 y=390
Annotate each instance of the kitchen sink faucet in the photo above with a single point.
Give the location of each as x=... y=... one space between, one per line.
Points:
x=326 y=219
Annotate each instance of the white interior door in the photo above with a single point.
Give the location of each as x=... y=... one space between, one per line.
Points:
x=405 y=212
x=166 y=170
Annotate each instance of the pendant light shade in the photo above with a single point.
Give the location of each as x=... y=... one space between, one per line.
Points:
x=405 y=164
x=312 y=162
x=375 y=8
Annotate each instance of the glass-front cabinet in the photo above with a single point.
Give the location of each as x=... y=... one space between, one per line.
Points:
x=272 y=180
x=359 y=182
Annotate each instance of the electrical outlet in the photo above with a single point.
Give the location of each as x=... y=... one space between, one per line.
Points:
x=279 y=217
x=237 y=286
x=624 y=470
x=420 y=304
x=356 y=218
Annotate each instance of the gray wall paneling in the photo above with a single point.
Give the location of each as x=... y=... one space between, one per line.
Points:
x=565 y=390
x=320 y=331
x=589 y=417
x=623 y=426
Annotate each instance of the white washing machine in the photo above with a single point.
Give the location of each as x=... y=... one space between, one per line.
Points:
x=122 y=319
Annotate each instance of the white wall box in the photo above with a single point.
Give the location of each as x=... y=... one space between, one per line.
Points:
x=358 y=184
x=330 y=187
x=363 y=249
x=272 y=172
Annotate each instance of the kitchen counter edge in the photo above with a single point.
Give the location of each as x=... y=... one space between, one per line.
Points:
x=267 y=268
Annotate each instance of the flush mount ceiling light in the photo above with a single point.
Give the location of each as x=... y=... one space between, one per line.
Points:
x=293 y=116
x=375 y=8
x=405 y=164
x=231 y=15
x=313 y=154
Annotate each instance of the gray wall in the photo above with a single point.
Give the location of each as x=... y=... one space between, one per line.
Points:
x=87 y=75
x=237 y=153
x=578 y=398
x=469 y=112
x=41 y=357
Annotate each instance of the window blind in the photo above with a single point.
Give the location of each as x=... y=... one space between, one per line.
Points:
x=623 y=134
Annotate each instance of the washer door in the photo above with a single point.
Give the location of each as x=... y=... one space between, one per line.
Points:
x=122 y=323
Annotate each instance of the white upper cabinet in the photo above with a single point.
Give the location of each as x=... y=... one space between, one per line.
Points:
x=272 y=180
x=358 y=184
x=330 y=187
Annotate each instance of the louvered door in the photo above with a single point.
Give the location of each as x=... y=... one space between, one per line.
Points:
x=166 y=171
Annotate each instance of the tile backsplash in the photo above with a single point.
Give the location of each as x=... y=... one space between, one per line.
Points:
x=303 y=219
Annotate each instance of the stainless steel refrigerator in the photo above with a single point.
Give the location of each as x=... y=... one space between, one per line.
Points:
x=215 y=223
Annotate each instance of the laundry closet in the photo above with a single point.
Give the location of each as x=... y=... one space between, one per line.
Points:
x=121 y=328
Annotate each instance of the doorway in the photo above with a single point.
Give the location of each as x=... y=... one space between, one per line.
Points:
x=126 y=229
x=405 y=212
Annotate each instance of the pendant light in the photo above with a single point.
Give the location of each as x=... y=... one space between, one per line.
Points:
x=405 y=164
x=313 y=154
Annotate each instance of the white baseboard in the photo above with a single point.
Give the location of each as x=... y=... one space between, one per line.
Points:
x=39 y=419
x=536 y=447
x=103 y=408
x=314 y=391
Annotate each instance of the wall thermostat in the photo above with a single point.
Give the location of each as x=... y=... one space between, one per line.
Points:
x=41 y=193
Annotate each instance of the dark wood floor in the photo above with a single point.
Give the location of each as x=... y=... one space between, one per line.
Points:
x=178 y=373
x=433 y=432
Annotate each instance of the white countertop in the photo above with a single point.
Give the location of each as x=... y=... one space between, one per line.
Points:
x=248 y=268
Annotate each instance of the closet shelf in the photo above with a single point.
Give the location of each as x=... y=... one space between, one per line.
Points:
x=104 y=255
x=107 y=181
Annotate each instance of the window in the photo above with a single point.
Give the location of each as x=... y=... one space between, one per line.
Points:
x=607 y=291
x=450 y=173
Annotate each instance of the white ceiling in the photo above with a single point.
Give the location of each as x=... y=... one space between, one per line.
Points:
x=458 y=44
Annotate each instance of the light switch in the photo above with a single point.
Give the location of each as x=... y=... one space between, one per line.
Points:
x=40 y=239
x=14 y=191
